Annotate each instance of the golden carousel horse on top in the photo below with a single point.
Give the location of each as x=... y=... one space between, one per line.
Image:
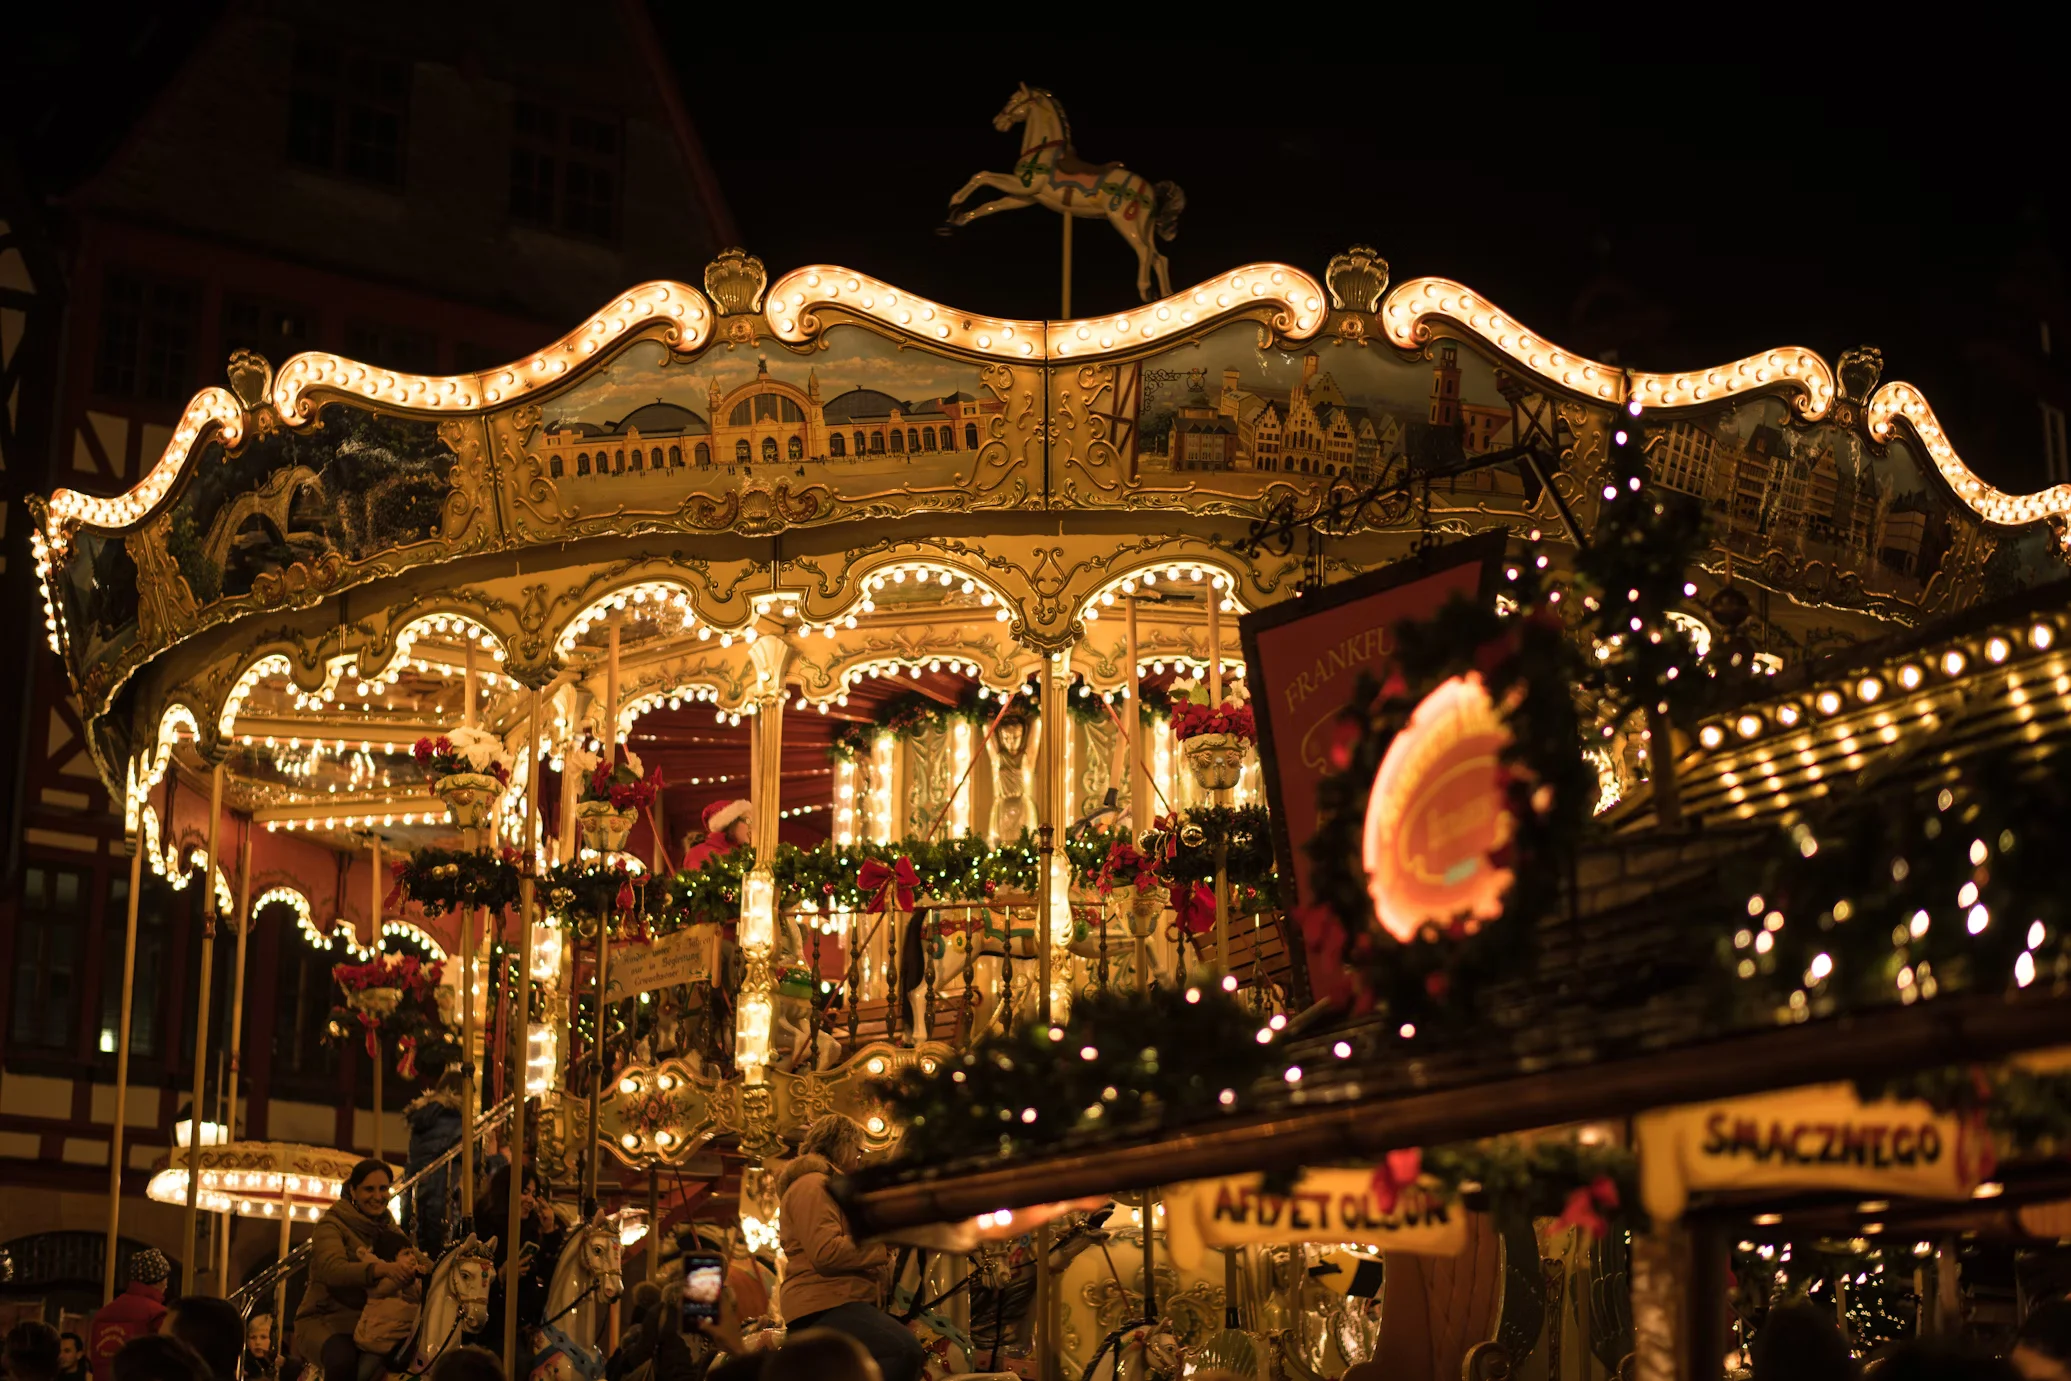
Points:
x=1049 y=173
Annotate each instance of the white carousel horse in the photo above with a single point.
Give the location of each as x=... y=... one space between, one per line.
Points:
x=456 y=1301
x=586 y=1279
x=1048 y=173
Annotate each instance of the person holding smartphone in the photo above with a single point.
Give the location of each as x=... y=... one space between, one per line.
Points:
x=831 y=1280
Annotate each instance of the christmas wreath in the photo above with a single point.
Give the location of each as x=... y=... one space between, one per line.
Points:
x=446 y=880
x=1527 y=666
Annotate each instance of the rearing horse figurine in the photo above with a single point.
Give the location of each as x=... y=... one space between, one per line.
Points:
x=1049 y=173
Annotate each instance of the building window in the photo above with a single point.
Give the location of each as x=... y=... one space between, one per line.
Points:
x=147 y=339
x=392 y=347
x=582 y=463
x=347 y=112
x=898 y=442
x=704 y=453
x=948 y=443
x=554 y=466
x=46 y=956
x=638 y=465
x=156 y=908
x=769 y=450
x=564 y=171
x=970 y=436
x=862 y=444
x=741 y=451
x=618 y=462
x=273 y=329
x=927 y=438
x=877 y=443
x=795 y=449
x=675 y=457
x=837 y=444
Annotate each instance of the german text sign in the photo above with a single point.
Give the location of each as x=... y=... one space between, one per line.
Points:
x=688 y=956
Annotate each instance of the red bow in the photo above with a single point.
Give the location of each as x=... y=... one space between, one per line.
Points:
x=1193 y=910
x=406 y=1056
x=373 y=1036
x=625 y=896
x=1397 y=1171
x=1584 y=1207
x=875 y=879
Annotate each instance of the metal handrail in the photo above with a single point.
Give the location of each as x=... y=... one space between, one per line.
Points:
x=262 y=1286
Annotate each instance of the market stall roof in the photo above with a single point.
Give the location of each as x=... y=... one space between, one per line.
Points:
x=1613 y=1018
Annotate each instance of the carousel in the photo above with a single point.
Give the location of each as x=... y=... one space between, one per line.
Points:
x=783 y=696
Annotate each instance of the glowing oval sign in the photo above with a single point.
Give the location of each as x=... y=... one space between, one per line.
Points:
x=1439 y=813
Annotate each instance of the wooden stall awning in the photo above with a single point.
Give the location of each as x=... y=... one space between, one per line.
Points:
x=1611 y=1022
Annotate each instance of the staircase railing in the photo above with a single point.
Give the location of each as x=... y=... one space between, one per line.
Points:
x=262 y=1287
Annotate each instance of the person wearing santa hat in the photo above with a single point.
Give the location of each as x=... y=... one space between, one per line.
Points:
x=728 y=826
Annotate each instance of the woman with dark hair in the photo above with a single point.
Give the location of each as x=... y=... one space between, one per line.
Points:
x=541 y=1237
x=353 y=1249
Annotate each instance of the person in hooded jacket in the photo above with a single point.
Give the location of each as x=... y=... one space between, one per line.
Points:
x=434 y=1118
x=831 y=1281
x=134 y=1313
x=341 y=1273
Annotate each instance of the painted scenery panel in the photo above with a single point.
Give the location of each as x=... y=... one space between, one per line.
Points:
x=98 y=584
x=862 y=417
x=1224 y=416
x=1815 y=509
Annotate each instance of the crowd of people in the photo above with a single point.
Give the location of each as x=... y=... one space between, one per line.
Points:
x=831 y=1299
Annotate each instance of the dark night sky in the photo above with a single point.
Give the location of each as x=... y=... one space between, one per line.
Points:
x=1679 y=215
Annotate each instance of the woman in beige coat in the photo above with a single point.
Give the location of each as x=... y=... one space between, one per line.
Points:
x=339 y=1276
x=831 y=1281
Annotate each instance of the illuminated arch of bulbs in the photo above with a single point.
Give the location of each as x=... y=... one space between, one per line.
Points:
x=1414 y=305
x=168 y=864
x=1150 y=574
x=795 y=299
x=1899 y=399
x=341 y=936
x=675 y=697
x=661 y=598
x=175 y=717
x=943 y=575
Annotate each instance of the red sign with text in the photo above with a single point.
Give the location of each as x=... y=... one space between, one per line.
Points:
x=1302 y=658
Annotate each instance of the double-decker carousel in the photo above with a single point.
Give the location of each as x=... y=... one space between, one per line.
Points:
x=915 y=634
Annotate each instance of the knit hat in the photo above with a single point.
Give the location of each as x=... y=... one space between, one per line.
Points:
x=149 y=1267
x=720 y=814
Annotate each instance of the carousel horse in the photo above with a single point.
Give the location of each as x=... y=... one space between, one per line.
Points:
x=976 y=953
x=1048 y=173
x=456 y=1301
x=586 y=1278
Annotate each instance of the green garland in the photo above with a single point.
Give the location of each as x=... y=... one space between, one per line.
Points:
x=1539 y=1179
x=910 y=714
x=1158 y=1060
x=445 y=880
x=1898 y=896
x=1249 y=832
x=1525 y=661
x=2028 y=1112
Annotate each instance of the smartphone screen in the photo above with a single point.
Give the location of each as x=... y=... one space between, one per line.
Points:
x=704 y=1278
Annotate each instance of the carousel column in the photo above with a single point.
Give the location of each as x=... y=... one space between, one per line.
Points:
x=227 y=1095
x=129 y=985
x=1220 y=797
x=374 y=924
x=1140 y=812
x=201 y=1034
x=756 y=1008
x=520 y=1027
x=1054 y=897
x=599 y=1017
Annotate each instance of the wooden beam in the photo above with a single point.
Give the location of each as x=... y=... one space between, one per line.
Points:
x=1867 y=1045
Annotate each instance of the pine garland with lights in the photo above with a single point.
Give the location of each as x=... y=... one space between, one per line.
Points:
x=2027 y=1111
x=1121 y=1063
x=1528 y=666
x=911 y=714
x=1634 y=573
x=445 y=880
x=1594 y=1185
x=1899 y=895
